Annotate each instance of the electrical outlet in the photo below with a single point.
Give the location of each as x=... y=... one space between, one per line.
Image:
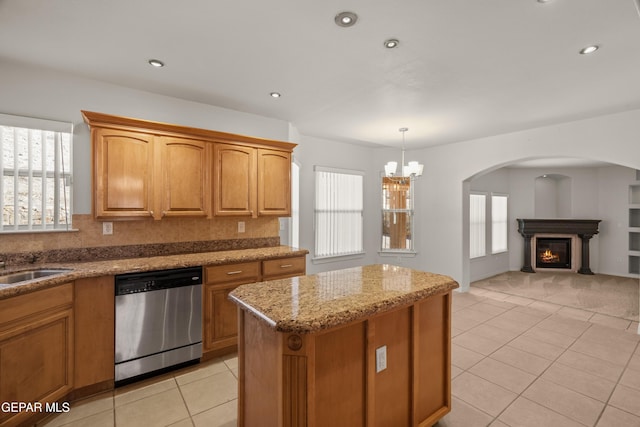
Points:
x=381 y=358
x=107 y=228
x=240 y=226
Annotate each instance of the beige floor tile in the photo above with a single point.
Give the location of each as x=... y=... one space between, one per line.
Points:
x=610 y=321
x=627 y=399
x=565 y=325
x=518 y=316
x=575 y=313
x=506 y=376
x=525 y=413
x=464 y=415
x=477 y=343
x=634 y=328
x=519 y=300
x=231 y=361
x=159 y=409
x=137 y=391
x=455 y=332
x=608 y=336
x=614 y=417
x=550 y=337
x=522 y=360
x=102 y=419
x=488 y=308
x=481 y=394
x=82 y=409
x=224 y=415
x=204 y=370
x=187 y=422
x=613 y=354
x=631 y=378
x=580 y=381
x=469 y=316
x=209 y=392
x=455 y=371
x=531 y=311
x=498 y=423
x=464 y=358
x=565 y=401
x=494 y=333
x=509 y=324
x=592 y=365
x=497 y=296
x=537 y=347
x=545 y=306
x=634 y=363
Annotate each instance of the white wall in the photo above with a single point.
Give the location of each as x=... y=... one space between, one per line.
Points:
x=613 y=138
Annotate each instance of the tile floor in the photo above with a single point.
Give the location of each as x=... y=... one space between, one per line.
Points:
x=516 y=361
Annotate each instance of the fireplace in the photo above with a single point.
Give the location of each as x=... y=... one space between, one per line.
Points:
x=556 y=230
x=553 y=252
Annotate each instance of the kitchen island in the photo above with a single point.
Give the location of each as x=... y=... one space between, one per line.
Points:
x=365 y=346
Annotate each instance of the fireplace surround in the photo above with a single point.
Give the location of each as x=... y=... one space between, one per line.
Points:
x=585 y=229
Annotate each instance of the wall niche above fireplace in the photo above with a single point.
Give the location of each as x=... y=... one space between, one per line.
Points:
x=555 y=230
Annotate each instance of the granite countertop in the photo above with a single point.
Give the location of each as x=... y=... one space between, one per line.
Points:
x=83 y=270
x=320 y=301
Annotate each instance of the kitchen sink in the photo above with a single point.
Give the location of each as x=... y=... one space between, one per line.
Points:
x=22 y=276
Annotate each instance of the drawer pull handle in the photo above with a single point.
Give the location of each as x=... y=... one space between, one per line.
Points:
x=230 y=273
x=286 y=265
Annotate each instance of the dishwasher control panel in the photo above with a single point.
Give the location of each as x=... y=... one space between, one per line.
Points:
x=132 y=283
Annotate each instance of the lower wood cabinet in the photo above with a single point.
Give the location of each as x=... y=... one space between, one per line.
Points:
x=94 y=314
x=36 y=349
x=220 y=316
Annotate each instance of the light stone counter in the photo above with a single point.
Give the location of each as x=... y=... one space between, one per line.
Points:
x=320 y=301
x=82 y=270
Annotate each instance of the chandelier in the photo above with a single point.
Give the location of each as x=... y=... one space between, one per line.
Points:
x=411 y=169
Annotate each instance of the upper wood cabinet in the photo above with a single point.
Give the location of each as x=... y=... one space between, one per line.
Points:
x=146 y=169
x=185 y=188
x=274 y=182
x=123 y=173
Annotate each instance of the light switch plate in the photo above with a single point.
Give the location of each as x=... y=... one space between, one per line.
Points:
x=381 y=358
x=240 y=226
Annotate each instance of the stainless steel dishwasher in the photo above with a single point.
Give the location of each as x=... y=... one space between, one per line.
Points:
x=158 y=321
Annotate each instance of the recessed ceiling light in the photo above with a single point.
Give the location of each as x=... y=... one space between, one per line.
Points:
x=589 y=49
x=391 y=43
x=346 y=19
x=275 y=94
x=156 y=63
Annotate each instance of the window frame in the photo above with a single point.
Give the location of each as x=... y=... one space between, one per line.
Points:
x=410 y=211
x=359 y=252
x=481 y=226
x=61 y=174
x=503 y=224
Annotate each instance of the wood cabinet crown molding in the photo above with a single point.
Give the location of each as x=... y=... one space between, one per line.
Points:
x=94 y=119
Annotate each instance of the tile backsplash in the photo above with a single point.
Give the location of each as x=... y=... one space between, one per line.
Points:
x=171 y=230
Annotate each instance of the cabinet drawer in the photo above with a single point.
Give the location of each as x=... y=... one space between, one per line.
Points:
x=283 y=267
x=19 y=307
x=246 y=272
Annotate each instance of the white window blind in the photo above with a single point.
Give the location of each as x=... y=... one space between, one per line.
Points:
x=499 y=223
x=477 y=225
x=35 y=165
x=338 y=212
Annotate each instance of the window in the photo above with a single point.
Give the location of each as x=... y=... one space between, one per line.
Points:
x=338 y=212
x=477 y=225
x=35 y=187
x=397 y=214
x=499 y=223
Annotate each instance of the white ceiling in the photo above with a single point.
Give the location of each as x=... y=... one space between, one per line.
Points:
x=464 y=68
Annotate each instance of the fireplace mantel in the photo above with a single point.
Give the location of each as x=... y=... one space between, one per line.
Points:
x=584 y=228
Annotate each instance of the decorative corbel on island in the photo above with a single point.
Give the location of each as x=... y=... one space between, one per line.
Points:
x=365 y=346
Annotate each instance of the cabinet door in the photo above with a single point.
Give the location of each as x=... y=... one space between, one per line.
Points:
x=185 y=165
x=123 y=173
x=221 y=331
x=274 y=182
x=36 y=349
x=234 y=180
x=94 y=317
